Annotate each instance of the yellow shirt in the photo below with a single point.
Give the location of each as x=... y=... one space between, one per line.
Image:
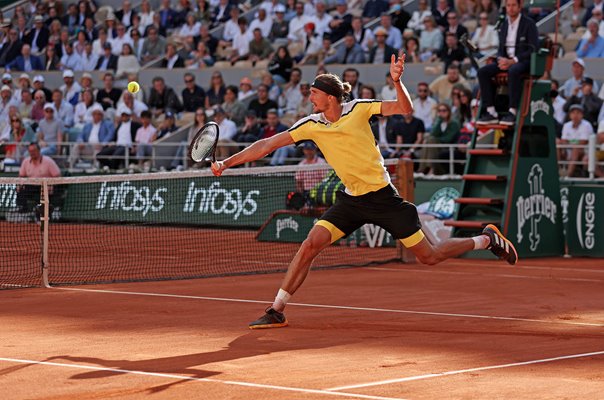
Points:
x=348 y=145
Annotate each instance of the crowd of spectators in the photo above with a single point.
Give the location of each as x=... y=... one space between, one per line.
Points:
x=278 y=38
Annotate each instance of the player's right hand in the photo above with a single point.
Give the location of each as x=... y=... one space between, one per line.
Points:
x=217 y=168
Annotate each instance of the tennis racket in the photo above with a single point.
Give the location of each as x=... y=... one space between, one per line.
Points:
x=203 y=145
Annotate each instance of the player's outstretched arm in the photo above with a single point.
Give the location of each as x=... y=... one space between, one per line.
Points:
x=403 y=103
x=257 y=150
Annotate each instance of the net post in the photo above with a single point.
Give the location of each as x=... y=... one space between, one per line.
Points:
x=45 y=219
x=406 y=188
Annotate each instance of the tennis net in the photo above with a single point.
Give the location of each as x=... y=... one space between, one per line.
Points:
x=179 y=225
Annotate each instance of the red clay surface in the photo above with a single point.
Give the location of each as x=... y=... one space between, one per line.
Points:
x=448 y=331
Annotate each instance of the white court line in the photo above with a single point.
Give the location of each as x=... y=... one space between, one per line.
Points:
x=386 y=310
x=430 y=271
x=478 y=264
x=191 y=378
x=463 y=371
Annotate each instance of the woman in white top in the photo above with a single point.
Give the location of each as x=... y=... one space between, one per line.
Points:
x=127 y=62
x=190 y=28
x=146 y=14
x=417 y=19
x=485 y=37
x=83 y=110
x=430 y=40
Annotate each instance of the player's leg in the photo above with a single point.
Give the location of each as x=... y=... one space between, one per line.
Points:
x=319 y=237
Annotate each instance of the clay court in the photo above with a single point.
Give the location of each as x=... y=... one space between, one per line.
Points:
x=465 y=329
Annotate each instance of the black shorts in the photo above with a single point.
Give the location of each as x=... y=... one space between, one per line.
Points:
x=384 y=208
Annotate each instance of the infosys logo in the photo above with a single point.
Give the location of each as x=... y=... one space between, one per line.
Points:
x=586 y=220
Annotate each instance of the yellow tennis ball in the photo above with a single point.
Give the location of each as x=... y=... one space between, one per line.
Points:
x=133 y=87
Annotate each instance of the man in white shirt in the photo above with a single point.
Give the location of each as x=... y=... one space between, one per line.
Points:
x=88 y=59
x=135 y=106
x=296 y=25
x=71 y=89
x=321 y=18
x=518 y=39
x=241 y=42
x=70 y=59
x=424 y=106
x=113 y=155
x=64 y=110
x=231 y=27
x=263 y=22
x=117 y=43
x=577 y=132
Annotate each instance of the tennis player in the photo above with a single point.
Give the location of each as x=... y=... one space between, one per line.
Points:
x=341 y=131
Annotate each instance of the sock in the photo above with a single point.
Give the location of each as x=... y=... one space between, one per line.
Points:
x=481 y=242
x=513 y=111
x=491 y=110
x=281 y=300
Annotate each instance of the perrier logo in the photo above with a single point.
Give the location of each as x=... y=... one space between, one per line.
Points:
x=532 y=208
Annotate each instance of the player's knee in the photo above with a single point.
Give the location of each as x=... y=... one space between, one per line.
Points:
x=312 y=245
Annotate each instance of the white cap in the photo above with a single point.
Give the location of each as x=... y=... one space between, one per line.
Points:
x=279 y=8
x=38 y=78
x=5 y=87
x=48 y=106
x=86 y=75
x=24 y=76
x=579 y=61
x=96 y=107
x=68 y=73
x=6 y=75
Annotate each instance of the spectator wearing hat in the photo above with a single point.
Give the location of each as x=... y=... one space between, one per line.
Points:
x=26 y=61
x=127 y=63
x=6 y=101
x=49 y=131
x=86 y=82
x=394 y=35
x=246 y=88
x=306 y=180
x=110 y=24
x=113 y=154
x=251 y=129
x=108 y=61
x=233 y=108
x=381 y=52
x=38 y=84
x=228 y=131
x=10 y=47
x=590 y=102
x=36 y=165
x=94 y=135
x=162 y=98
x=350 y=53
x=154 y=46
x=576 y=131
x=259 y=48
x=341 y=21
x=37 y=38
x=64 y=110
x=24 y=83
x=572 y=86
x=279 y=27
x=594 y=46
x=145 y=136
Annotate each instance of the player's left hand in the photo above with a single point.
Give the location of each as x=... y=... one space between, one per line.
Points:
x=397 y=66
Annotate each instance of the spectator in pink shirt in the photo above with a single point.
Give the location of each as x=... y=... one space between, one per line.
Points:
x=34 y=166
x=145 y=136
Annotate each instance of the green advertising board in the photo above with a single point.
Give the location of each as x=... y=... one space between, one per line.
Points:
x=208 y=201
x=534 y=218
x=293 y=227
x=585 y=228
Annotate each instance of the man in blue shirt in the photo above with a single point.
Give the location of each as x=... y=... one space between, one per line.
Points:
x=594 y=46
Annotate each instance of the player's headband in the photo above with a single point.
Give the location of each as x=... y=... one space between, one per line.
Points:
x=327 y=88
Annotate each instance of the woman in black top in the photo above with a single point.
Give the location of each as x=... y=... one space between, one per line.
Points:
x=215 y=93
x=281 y=65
